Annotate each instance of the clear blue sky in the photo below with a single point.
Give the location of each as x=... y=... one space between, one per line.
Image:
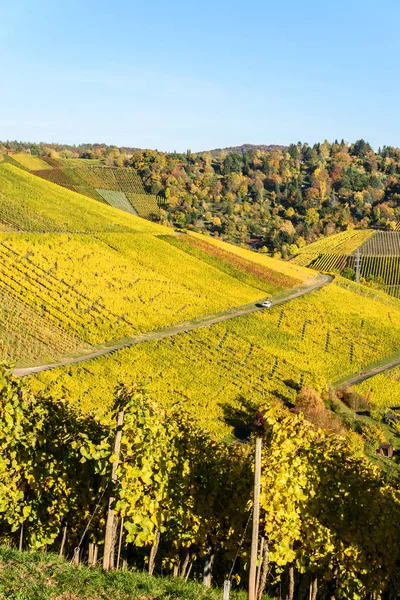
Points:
x=199 y=75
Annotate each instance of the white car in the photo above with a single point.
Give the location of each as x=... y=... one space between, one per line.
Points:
x=266 y=304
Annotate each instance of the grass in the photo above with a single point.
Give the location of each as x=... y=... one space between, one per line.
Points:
x=40 y=576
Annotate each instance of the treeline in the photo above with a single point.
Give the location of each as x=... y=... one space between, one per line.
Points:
x=280 y=200
x=111 y=154
x=329 y=523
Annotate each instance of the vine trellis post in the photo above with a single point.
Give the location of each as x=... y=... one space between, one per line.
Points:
x=108 y=539
x=256 y=521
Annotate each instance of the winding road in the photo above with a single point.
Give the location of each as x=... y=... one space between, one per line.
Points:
x=318 y=282
x=354 y=379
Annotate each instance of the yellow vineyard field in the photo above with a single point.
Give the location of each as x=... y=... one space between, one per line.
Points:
x=218 y=370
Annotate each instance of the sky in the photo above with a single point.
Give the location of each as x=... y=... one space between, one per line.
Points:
x=173 y=75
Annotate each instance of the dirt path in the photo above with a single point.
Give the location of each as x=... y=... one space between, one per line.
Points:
x=367 y=374
x=317 y=283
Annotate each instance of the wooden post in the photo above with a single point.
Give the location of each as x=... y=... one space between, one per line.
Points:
x=114 y=543
x=63 y=540
x=208 y=565
x=21 y=538
x=185 y=566
x=95 y=554
x=259 y=567
x=256 y=521
x=331 y=589
x=108 y=540
x=189 y=569
x=121 y=531
x=153 y=552
x=264 y=571
x=291 y=582
x=315 y=589
x=91 y=554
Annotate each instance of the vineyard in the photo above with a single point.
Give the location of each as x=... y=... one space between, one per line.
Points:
x=117 y=199
x=170 y=513
x=121 y=288
x=229 y=262
x=382 y=243
x=121 y=188
x=33 y=163
x=383 y=390
x=91 y=289
x=27 y=333
x=30 y=203
x=345 y=242
x=77 y=273
x=283 y=267
x=312 y=341
x=378 y=251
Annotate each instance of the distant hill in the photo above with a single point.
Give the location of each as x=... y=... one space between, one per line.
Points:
x=244 y=148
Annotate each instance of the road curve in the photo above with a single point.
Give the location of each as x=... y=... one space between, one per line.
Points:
x=318 y=282
x=367 y=374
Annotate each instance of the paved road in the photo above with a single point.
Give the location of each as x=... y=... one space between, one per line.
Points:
x=317 y=283
x=367 y=374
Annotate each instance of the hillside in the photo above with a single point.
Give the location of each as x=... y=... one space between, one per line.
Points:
x=76 y=273
x=273 y=198
x=224 y=369
x=376 y=252
x=118 y=187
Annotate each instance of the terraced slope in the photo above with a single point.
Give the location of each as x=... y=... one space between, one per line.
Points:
x=93 y=274
x=33 y=204
x=379 y=253
x=217 y=371
x=118 y=187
